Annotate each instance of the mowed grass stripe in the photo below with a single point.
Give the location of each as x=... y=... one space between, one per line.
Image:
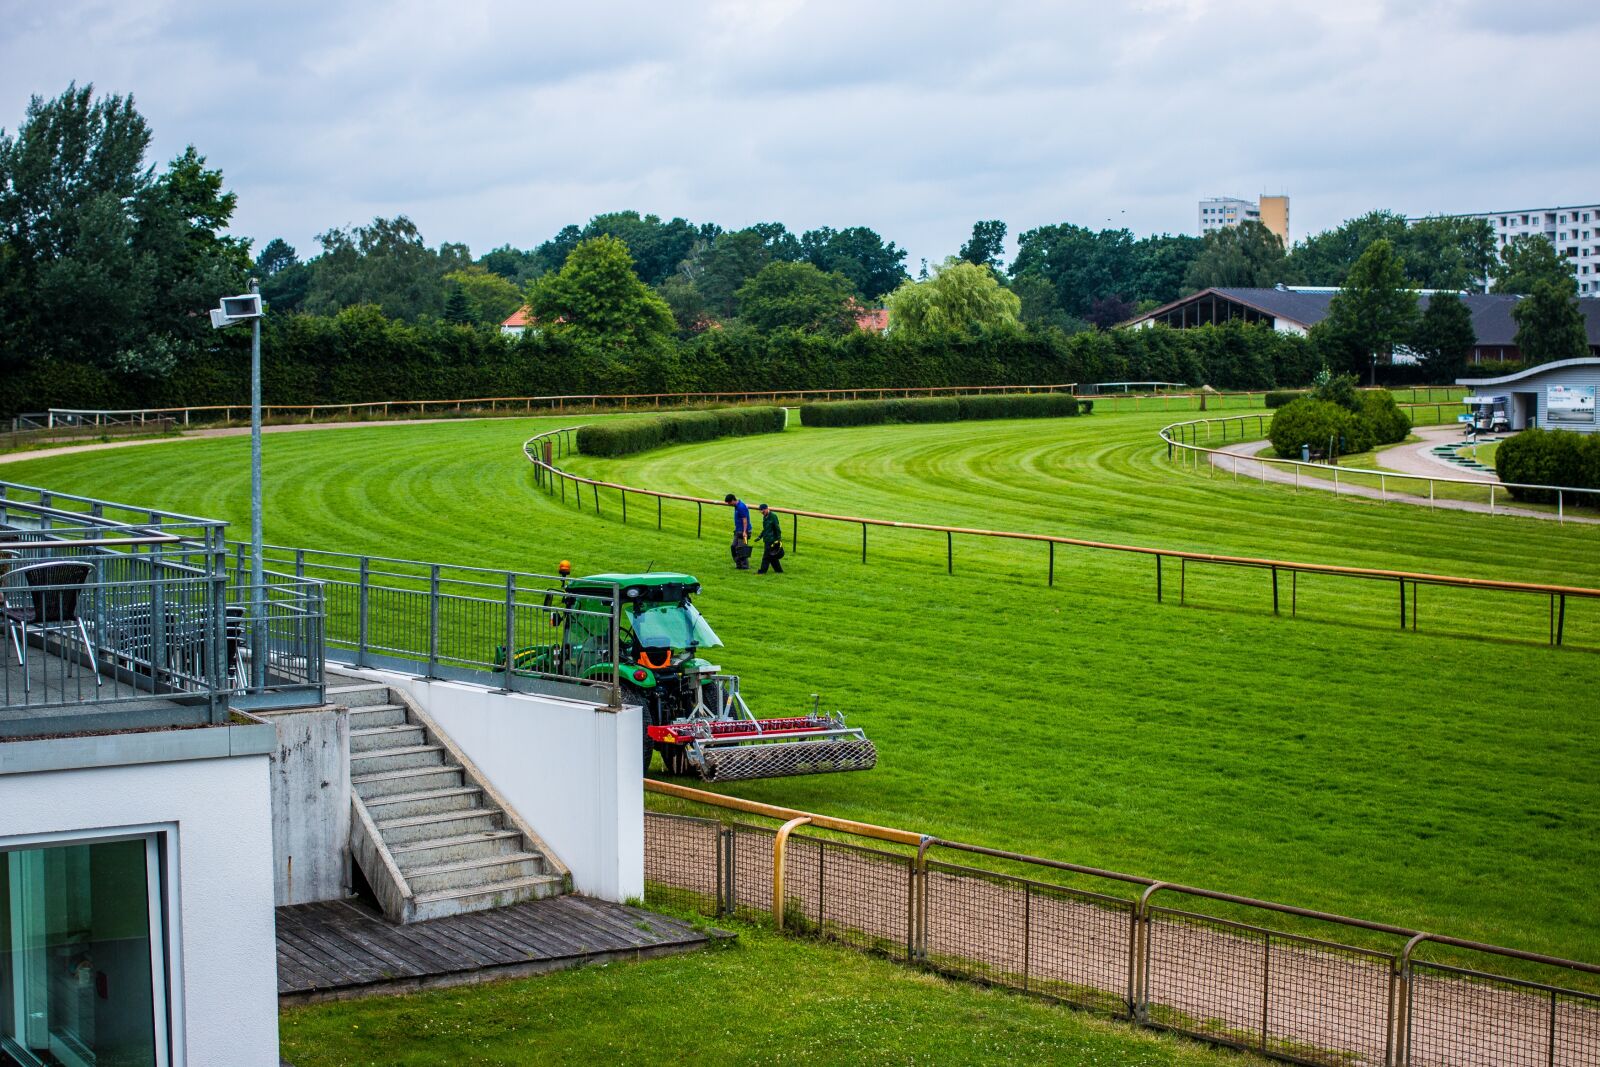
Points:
x=1445 y=782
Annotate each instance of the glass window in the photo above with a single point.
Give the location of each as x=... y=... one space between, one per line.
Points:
x=78 y=981
x=670 y=626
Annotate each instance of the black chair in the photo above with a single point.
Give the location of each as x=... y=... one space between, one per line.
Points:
x=46 y=598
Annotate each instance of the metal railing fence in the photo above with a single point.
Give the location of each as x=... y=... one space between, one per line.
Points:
x=1291 y=983
x=446 y=621
x=1182 y=441
x=152 y=625
x=545 y=451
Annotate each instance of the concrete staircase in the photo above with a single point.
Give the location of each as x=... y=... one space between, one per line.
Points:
x=427 y=829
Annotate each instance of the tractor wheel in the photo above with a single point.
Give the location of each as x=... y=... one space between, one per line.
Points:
x=674 y=759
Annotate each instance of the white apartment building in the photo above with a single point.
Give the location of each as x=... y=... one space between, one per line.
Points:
x=1219 y=211
x=1575 y=231
x=1271 y=211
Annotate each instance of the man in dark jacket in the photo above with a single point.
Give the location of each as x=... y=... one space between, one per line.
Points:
x=741 y=531
x=772 y=541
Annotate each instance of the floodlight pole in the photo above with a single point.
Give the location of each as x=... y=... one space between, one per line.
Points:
x=258 y=613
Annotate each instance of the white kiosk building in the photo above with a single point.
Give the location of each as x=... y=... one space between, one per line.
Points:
x=1557 y=396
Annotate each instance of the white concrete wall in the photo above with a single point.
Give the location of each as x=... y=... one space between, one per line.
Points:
x=217 y=815
x=572 y=771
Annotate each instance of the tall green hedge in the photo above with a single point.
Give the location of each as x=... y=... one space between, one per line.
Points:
x=941 y=409
x=1550 y=457
x=622 y=437
x=358 y=356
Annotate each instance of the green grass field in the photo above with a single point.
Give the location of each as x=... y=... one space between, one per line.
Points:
x=1444 y=779
x=763 y=999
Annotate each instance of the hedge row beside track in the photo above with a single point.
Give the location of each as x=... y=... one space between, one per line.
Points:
x=622 y=437
x=1548 y=457
x=944 y=409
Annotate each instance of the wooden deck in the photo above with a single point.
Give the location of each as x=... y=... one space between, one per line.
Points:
x=339 y=949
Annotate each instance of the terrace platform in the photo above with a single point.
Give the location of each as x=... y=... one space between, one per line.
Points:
x=341 y=949
x=60 y=690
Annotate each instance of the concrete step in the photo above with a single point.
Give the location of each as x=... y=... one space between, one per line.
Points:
x=424 y=802
x=358 y=695
x=474 y=873
x=395 y=759
x=407 y=780
x=436 y=905
x=377 y=715
x=406 y=830
x=462 y=848
x=401 y=735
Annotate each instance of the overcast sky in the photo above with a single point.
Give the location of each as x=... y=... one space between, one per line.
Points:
x=493 y=122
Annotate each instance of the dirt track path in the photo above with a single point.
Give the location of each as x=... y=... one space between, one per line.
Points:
x=1255 y=470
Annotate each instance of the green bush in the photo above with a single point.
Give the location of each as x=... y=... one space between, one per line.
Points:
x=943 y=409
x=1315 y=423
x=1383 y=418
x=844 y=413
x=1279 y=397
x=1018 y=406
x=1086 y=407
x=623 y=437
x=923 y=409
x=1549 y=457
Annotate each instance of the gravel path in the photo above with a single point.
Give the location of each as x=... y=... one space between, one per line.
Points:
x=1258 y=471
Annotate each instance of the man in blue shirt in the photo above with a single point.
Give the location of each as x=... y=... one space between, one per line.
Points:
x=741 y=531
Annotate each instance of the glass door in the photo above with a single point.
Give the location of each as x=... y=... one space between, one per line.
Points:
x=82 y=969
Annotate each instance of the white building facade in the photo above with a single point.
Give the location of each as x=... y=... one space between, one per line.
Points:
x=1218 y=212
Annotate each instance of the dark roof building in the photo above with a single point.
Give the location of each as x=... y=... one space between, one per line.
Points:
x=1295 y=309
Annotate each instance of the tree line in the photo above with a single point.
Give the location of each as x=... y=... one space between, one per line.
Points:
x=108 y=263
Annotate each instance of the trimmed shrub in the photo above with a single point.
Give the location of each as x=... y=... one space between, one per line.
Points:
x=943 y=409
x=1018 y=406
x=622 y=437
x=1086 y=407
x=923 y=409
x=1383 y=418
x=1279 y=397
x=1549 y=457
x=844 y=413
x=1315 y=423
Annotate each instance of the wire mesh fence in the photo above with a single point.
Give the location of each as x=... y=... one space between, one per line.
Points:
x=1293 y=985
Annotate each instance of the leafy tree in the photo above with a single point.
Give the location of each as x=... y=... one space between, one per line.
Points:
x=596 y=298
x=781 y=245
x=285 y=280
x=1438 y=253
x=1549 y=324
x=1375 y=311
x=1107 y=311
x=872 y=267
x=490 y=297
x=1159 y=265
x=277 y=255
x=1246 y=255
x=1081 y=264
x=85 y=223
x=385 y=263
x=726 y=264
x=1444 y=337
x=961 y=299
x=988 y=241
x=1525 y=261
x=797 y=296
x=657 y=247
x=688 y=305
x=515 y=265
x=1448 y=253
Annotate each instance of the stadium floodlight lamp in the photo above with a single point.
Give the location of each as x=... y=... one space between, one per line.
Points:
x=235 y=309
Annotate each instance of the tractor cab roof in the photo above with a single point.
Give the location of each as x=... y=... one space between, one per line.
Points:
x=652 y=585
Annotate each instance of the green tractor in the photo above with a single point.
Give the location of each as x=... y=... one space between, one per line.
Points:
x=694 y=715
